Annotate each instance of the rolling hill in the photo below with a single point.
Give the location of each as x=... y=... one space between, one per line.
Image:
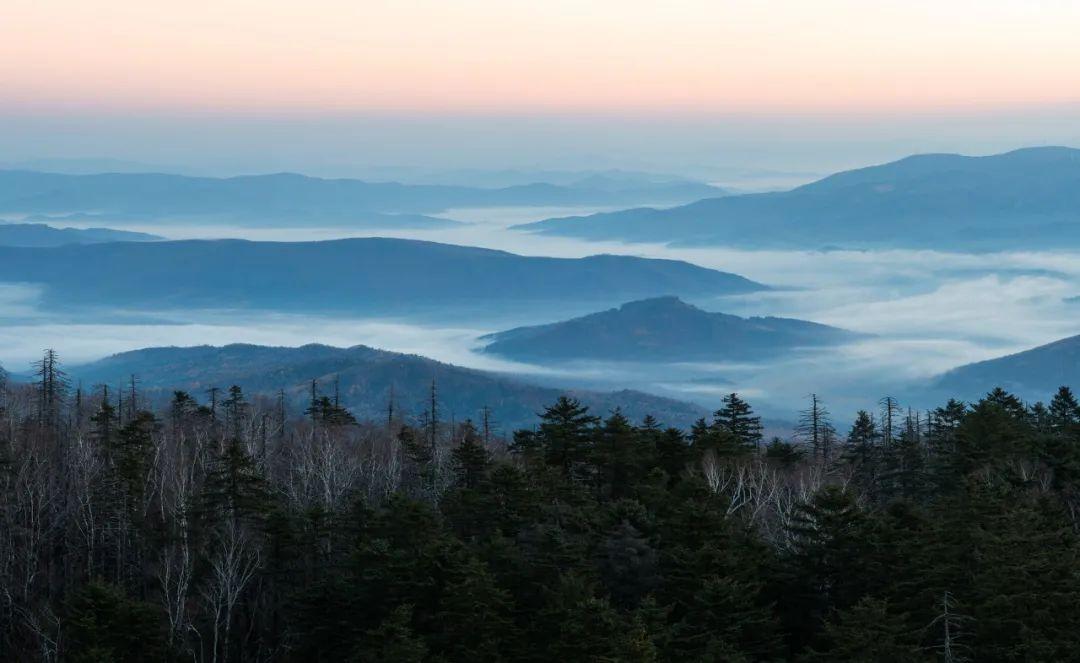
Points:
x=365 y=378
x=1023 y=199
x=291 y=199
x=1032 y=374
x=350 y=275
x=42 y=235
x=662 y=329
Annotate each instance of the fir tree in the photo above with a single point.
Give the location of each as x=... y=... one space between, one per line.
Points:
x=565 y=434
x=737 y=418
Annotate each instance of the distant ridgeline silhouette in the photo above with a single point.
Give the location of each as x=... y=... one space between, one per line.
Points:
x=1029 y=198
x=663 y=329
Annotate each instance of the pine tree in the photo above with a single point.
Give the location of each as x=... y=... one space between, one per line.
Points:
x=672 y=453
x=615 y=454
x=628 y=564
x=1064 y=411
x=471 y=459
x=785 y=455
x=737 y=418
x=236 y=410
x=393 y=640
x=132 y=452
x=868 y=632
x=475 y=616
x=575 y=625
x=105 y=421
x=235 y=488
x=862 y=454
x=105 y=626
x=829 y=553
x=565 y=435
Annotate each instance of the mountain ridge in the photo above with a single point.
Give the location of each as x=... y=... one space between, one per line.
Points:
x=1034 y=373
x=662 y=329
x=280 y=198
x=1024 y=198
x=372 y=273
x=41 y=235
x=365 y=377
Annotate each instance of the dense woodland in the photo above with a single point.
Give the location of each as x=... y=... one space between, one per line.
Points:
x=226 y=528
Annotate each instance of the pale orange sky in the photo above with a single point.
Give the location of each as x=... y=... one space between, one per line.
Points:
x=707 y=56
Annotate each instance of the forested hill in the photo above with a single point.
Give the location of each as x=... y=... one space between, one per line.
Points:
x=42 y=235
x=358 y=275
x=297 y=199
x=1026 y=198
x=363 y=379
x=1028 y=373
x=230 y=529
x=663 y=329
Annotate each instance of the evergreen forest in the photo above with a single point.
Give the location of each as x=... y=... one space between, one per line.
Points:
x=223 y=527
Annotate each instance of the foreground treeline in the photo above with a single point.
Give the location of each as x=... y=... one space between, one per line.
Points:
x=223 y=528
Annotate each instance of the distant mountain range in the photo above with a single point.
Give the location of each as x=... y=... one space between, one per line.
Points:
x=366 y=377
x=1023 y=199
x=287 y=198
x=43 y=235
x=366 y=275
x=1032 y=374
x=662 y=329
x=612 y=179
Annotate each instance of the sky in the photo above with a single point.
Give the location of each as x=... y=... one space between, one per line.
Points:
x=689 y=86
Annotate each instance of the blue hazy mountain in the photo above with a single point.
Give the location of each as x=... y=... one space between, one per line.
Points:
x=663 y=329
x=1023 y=199
x=296 y=199
x=349 y=275
x=43 y=235
x=1033 y=374
x=613 y=179
x=365 y=378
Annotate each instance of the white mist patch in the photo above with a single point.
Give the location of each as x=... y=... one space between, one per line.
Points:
x=19 y=300
x=928 y=311
x=22 y=341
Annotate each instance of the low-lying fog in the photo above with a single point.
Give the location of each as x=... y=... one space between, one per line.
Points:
x=929 y=311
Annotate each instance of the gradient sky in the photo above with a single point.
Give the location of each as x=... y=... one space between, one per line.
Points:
x=754 y=71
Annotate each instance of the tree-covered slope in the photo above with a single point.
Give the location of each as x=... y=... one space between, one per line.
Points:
x=365 y=378
x=1026 y=198
x=1036 y=371
x=232 y=529
x=43 y=235
x=363 y=275
x=663 y=329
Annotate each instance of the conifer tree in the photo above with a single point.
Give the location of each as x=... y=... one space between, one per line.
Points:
x=104 y=624
x=737 y=418
x=1064 y=411
x=471 y=459
x=475 y=616
x=615 y=454
x=783 y=454
x=869 y=632
x=235 y=488
x=393 y=640
x=565 y=435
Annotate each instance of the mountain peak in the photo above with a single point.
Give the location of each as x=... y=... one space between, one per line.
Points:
x=661 y=328
x=659 y=303
x=1026 y=198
